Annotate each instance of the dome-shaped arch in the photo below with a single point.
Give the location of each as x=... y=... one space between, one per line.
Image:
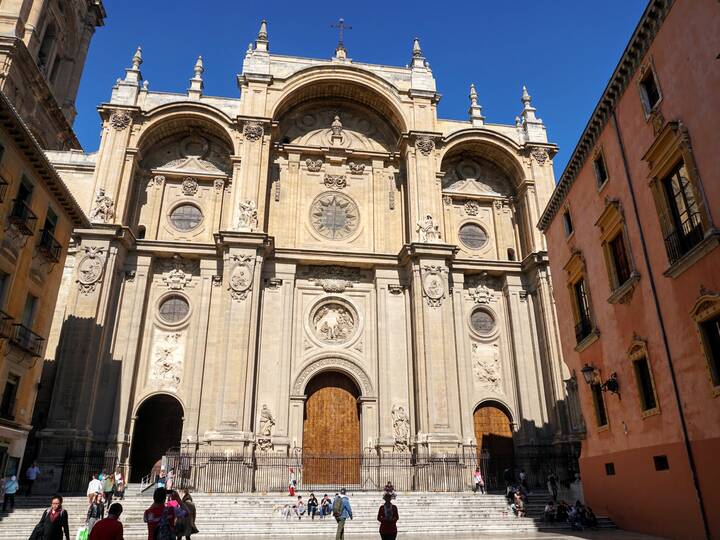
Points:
x=145 y=397
x=498 y=403
x=336 y=361
x=349 y=83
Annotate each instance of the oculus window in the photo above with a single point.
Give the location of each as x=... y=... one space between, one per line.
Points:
x=186 y=217
x=174 y=309
x=473 y=236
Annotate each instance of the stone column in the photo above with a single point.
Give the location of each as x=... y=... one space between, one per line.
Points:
x=424 y=190
x=438 y=410
x=250 y=181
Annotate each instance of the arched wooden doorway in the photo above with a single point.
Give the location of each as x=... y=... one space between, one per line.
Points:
x=158 y=427
x=493 y=431
x=331 y=431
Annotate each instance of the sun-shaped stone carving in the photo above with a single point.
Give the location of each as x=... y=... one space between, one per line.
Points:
x=334 y=216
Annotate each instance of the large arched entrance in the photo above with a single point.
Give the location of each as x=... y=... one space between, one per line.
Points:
x=331 y=431
x=493 y=431
x=158 y=427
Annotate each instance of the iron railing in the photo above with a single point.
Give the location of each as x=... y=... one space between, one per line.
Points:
x=22 y=217
x=49 y=247
x=684 y=238
x=6 y=322
x=583 y=329
x=26 y=339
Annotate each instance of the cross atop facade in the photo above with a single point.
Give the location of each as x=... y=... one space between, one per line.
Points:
x=341 y=26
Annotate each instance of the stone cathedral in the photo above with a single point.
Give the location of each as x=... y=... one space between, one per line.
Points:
x=320 y=263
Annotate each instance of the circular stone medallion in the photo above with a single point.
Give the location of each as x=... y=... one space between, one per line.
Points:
x=334 y=216
x=333 y=323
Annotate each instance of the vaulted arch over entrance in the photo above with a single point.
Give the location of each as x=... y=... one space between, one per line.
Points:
x=493 y=431
x=158 y=427
x=331 y=431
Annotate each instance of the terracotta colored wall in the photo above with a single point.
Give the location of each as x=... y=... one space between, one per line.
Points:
x=683 y=54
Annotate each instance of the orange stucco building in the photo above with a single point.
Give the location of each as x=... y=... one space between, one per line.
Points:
x=633 y=239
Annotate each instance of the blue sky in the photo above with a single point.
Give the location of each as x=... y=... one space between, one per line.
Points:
x=563 y=50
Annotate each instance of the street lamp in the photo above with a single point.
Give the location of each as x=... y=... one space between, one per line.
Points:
x=588 y=373
x=611 y=385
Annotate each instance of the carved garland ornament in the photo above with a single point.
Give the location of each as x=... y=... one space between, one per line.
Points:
x=314 y=165
x=90 y=270
x=241 y=276
x=425 y=144
x=540 y=155
x=334 y=279
x=356 y=168
x=120 y=120
x=189 y=186
x=253 y=131
x=472 y=208
x=433 y=284
x=335 y=181
x=342 y=364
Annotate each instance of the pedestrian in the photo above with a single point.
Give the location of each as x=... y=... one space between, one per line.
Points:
x=325 y=506
x=94 y=487
x=54 y=522
x=11 y=488
x=108 y=485
x=312 y=506
x=189 y=520
x=95 y=512
x=30 y=476
x=161 y=517
x=119 y=484
x=170 y=480
x=109 y=528
x=299 y=507
x=479 y=483
x=342 y=511
x=509 y=478
x=388 y=517
x=552 y=486
x=292 y=482
x=389 y=488
x=523 y=480
x=162 y=478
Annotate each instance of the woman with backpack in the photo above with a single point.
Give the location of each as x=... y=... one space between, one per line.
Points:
x=53 y=523
x=388 y=517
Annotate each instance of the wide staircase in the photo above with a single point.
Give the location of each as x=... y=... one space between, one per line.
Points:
x=259 y=515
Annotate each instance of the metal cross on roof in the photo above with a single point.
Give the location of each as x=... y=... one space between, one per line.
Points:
x=341 y=26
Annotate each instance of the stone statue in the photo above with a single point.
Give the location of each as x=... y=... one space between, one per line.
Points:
x=486 y=365
x=166 y=368
x=267 y=421
x=401 y=428
x=248 y=216
x=103 y=211
x=334 y=323
x=428 y=231
x=336 y=127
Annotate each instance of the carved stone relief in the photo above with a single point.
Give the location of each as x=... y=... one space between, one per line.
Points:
x=191 y=154
x=333 y=323
x=486 y=366
x=425 y=145
x=335 y=181
x=401 y=428
x=253 y=131
x=433 y=283
x=341 y=364
x=266 y=425
x=177 y=273
x=120 y=120
x=247 y=216
x=428 y=231
x=167 y=360
x=241 y=276
x=356 y=168
x=189 y=186
x=103 y=209
x=470 y=174
x=90 y=269
x=540 y=154
x=472 y=208
x=314 y=165
x=333 y=279
x=334 y=216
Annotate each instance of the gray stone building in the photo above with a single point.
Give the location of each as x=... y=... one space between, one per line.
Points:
x=321 y=264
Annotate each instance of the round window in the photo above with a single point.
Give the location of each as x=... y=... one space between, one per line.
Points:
x=186 y=217
x=482 y=322
x=174 y=309
x=473 y=236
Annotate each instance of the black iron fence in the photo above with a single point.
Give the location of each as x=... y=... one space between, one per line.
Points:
x=78 y=468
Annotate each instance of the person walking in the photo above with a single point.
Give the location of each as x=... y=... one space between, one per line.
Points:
x=94 y=487
x=161 y=517
x=479 y=482
x=292 y=482
x=388 y=517
x=552 y=486
x=108 y=486
x=53 y=524
x=170 y=480
x=30 y=476
x=11 y=488
x=95 y=512
x=342 y=511
x=119 y=484
x=109 y=528
x=188 y=528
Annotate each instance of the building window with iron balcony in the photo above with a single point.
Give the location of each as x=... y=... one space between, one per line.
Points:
x=22 y=217
x=26 y=339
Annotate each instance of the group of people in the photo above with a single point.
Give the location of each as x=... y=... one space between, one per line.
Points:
x=107 y=485
x=578 y=516
x=312 y=508
x=10 y=486
x=170 y=517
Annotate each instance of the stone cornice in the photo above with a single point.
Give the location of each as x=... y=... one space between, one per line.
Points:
x=634 y=53
x=26 y=142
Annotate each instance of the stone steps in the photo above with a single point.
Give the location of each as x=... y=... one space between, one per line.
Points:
x=257 y=515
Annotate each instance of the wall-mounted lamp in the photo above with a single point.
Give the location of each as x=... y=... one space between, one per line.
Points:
x=591 y=374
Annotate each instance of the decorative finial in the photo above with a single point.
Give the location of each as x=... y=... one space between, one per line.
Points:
x=137 y=59
x=475 y=111
x=263 y=34
x=533 y=128
x=417 y=51
x=250 y=48
x=340 y=50
x=418 y=60
x=146 y=85
x=473 y=95
x=518 y=122
x=196 y=83
x=525 y=97
x=199 y=68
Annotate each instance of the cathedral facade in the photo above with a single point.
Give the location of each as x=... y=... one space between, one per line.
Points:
x=320 y=264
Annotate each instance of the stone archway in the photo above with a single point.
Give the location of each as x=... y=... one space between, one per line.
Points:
x=331 y=431
x=158 y=428
x=494 y=434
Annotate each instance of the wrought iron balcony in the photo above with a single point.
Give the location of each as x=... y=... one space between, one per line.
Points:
x=6 y=322
x=3 y=188
x=583 y=328
x=22 y=217
x=26 y=339
x=49 y=247
x=684 y=238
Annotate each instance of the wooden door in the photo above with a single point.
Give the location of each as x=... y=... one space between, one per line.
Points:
x=494 y=435
x=331 y=431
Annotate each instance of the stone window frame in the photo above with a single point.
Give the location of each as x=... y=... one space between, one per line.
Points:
x=636 y=352
x=672 y=147
x=576 y=270
x=597 y=384
x=599 y=155
x=612 y=224
x=487 y=309
x=567 y=219
x=706 y=307
x=648 y=67
x=483 y=227
x=185 y=202
x=164 y=323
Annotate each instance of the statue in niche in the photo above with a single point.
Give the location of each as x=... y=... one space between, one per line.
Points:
x=267 y=421
x=401 y=428
x=427 y=230
x=247 y=215
x=103 y=211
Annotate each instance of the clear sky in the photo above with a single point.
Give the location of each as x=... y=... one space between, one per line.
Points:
x=563 y=50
